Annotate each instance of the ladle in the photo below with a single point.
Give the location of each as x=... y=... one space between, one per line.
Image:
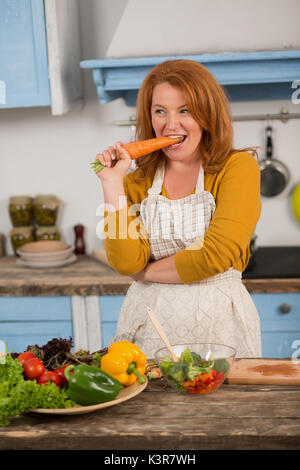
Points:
x=161 y=332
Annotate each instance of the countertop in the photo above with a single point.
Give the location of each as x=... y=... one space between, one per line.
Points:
x=247 y=417
x=89 y=276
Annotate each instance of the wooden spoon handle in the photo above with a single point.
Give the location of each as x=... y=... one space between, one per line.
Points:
x=161 y=332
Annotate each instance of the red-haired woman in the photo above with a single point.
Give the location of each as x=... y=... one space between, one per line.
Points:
x=184 y=217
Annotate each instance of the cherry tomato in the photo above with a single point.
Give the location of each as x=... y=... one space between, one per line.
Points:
x=49 y=376
x=24 y=356
x=33 y=368
x=61 y=373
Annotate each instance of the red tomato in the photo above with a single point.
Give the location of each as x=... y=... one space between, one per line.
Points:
x=33 y=368
x=61 y=373
x=24 y=356
x=49 y=376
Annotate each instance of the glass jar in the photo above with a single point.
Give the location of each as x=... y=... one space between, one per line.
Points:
x=45 y=209
x=47 y=233
x=20 y=210
x=19 y=236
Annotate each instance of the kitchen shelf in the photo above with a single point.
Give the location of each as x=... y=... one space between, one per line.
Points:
x=246 y=76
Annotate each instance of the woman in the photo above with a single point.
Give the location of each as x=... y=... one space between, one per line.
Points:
x=199 y=203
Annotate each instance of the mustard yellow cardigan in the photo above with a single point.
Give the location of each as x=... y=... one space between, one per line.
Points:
x=236 y=190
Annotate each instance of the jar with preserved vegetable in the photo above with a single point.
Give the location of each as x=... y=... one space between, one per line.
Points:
x=45 y=210
x=19 y=236
x=20 y=210
x=47 y=233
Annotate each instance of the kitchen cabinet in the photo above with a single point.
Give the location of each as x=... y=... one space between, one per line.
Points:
x=39 y=54
x=280 y=323
x=83 y=300
x=91 y=321
x=36 y=320
x=33 y=320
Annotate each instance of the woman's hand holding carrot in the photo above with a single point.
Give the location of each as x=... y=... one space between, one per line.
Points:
x=112 y=175
x=134 y=150
x=114 y=169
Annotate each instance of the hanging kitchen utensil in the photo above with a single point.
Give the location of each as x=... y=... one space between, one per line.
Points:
x=274 y=174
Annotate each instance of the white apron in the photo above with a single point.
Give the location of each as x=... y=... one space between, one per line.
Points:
x=218 y=309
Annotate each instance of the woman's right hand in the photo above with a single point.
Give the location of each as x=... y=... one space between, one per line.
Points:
x=115 y=169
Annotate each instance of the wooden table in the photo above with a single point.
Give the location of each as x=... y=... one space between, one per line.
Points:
x=243 y=417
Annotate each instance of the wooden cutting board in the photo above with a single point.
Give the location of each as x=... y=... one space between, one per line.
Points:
x=265 y=371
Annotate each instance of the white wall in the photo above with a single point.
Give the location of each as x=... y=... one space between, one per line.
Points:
x=45 y=154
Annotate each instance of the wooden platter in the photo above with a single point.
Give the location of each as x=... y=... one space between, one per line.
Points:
x=125 y=394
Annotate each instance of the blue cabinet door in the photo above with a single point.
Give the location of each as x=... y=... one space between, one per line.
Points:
x=23 y=54
x=110 y=307
x=27 y=321
x=280 y=331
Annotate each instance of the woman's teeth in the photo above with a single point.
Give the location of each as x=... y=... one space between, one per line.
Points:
x=181 y=137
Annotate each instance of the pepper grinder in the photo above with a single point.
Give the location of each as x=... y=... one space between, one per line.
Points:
x=79 y=242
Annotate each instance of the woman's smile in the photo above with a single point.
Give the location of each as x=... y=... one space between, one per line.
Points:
x=171 y=117
x=177 y=145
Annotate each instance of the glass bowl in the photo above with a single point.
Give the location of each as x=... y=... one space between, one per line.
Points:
x=201 y=368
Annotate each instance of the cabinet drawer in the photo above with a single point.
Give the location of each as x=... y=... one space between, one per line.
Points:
x=279 y=330
x=35 y=309
x=268 y=306
x=33 y=320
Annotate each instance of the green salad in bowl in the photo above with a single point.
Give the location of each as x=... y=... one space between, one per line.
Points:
x=201 y=367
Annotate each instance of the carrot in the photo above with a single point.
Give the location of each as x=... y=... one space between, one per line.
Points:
x=139 y=149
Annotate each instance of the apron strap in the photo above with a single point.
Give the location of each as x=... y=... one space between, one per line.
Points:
x=200 y=181
x=156 y=187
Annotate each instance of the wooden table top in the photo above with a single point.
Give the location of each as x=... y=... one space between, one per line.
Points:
x=88 y=276
x=244 y=417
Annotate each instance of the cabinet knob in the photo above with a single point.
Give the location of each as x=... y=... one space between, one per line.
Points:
x=285 y=308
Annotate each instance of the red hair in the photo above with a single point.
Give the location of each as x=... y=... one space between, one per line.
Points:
x=207 y=103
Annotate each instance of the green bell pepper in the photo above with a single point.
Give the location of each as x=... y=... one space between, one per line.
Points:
x=88 y=385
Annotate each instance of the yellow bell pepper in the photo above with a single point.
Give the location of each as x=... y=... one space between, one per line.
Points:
x=125 y=362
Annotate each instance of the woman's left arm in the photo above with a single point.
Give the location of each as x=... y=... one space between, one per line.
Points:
x=163 y=270
x=226 y=242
